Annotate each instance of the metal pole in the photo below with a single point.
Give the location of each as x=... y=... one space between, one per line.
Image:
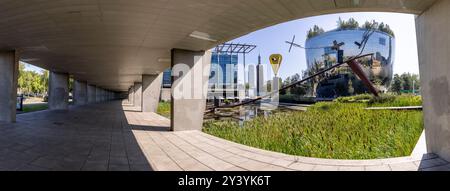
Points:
x=245 y=83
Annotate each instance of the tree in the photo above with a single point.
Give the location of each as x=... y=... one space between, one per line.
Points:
x=407 y=81
x=31 y=82
x=397 y=84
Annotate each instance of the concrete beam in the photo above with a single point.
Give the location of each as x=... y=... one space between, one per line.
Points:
x=433 y=40
x=80 y=92
x=9 y=68
x=151 y=91
x=58 y=98
x=137 y=95
x=190 y=70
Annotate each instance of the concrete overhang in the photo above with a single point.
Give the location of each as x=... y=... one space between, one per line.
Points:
x=111 y=43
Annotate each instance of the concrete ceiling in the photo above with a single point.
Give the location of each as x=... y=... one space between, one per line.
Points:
x=111 y=43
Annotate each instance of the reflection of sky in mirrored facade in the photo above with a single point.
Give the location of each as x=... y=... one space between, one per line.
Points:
x=378 y=43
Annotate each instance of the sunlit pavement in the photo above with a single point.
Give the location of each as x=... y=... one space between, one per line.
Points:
x=113 y=137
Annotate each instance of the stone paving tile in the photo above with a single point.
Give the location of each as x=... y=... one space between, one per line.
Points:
x=437 y=168
x=94 y=166
x=326 y=168
x=352 y=168
x=302 y=166
x=378 y=168
x=430 y=163
x=253 y=165
x=113 y=167
x=407 y=166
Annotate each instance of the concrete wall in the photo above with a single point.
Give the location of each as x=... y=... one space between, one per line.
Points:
x=80 y=93
x=433 y=29
x=151 y=90
x=189 y=90
x=9 y=67
x=58 y=97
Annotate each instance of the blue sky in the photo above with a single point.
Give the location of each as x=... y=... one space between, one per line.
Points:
x=272 y=40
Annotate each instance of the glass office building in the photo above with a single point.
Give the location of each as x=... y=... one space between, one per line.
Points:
x=167 y=79
x=341 y=81
x=224 y=73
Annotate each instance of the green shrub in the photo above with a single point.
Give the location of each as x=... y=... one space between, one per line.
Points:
x=384 y=100
x=164 y=109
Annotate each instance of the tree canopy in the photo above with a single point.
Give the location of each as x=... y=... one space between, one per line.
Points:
x=31 y=82
x=405 y=82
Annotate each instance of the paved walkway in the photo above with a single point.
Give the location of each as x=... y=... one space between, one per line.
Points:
x=115 y=137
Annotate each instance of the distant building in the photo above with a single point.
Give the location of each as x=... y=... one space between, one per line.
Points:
x=223 y=76
x=341 y=81
x=167 y=79
x=223 y=80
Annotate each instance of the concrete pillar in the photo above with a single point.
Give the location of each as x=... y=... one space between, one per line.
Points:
x=98 y=95
x=433 y=28
x=131 y=95
x=9 y=67
x=91 y=93
x=137 y=95
x=190 y=70
x=151 y=90
x=58 y=97
x=80 y=94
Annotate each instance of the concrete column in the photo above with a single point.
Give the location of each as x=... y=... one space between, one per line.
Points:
x=9 y=67
x=190 y=70
x=137 y=95
x=151 y=90
x=80 y=94
x=433 y=28
x=91 y=93
x=58 y=97
x=98 y=95
x=131 y=95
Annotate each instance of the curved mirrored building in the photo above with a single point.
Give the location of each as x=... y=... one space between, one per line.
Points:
x=341 y=81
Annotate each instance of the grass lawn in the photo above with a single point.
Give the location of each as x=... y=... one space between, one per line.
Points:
x=164 y=109
x=34 y=107
x=335 y=130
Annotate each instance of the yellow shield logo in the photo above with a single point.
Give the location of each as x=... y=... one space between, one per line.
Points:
x=275 y=61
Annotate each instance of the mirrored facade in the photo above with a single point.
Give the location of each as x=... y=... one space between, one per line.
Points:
x=341 y=81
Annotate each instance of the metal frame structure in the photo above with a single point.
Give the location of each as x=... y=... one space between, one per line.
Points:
x=236 y=49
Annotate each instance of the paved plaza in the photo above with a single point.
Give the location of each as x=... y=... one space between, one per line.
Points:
x=113 y=137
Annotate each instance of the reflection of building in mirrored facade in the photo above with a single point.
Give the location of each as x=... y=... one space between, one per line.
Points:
x=341 y=81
